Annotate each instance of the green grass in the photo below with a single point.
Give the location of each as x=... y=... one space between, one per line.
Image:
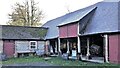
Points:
x=54 y=60
x=61 y=62
x=22 y=60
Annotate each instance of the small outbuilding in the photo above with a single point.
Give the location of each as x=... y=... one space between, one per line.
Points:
x=17 y=41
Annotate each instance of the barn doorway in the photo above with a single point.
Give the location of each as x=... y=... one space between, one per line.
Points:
x=73 y=46
x=94 y=47
x=69 y=46
x=54 y=46
x=63 y=45
x=9 y=48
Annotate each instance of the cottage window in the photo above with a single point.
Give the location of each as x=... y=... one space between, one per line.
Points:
x=33 y=45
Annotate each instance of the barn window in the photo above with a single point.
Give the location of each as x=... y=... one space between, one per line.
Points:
x=33 y=45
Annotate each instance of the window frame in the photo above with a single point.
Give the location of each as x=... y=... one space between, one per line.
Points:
x=30 y=45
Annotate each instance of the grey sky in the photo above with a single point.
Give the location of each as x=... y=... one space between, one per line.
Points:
x=51 y=8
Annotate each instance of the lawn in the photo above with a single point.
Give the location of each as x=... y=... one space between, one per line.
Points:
x=54 y=60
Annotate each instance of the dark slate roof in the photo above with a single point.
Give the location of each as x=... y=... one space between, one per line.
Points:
x=53 y=31
x=52 y=27
x=22 y=32
x=105 y=20
x=78 y=15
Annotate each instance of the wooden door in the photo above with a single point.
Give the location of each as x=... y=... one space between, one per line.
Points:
x=9 y=48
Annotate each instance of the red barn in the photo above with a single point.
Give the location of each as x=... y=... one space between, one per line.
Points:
x=92 y=32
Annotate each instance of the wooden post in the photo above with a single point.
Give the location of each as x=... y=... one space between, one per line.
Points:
x=47 y=49
x=59 y=45
x=79 y=45
x=78 y=39
x=106 y=48
x=56 y=47
x=88 y=48
x=51 y=49
x=79 y=50
x=67 y=46
x=15 y=54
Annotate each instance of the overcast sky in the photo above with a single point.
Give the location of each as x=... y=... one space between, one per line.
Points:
x=51 y=8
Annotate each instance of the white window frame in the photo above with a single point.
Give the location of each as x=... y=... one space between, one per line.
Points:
x=32 y=45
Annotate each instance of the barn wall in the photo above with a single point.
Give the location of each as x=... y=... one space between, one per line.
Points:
x=114 y=46
x=63 y=32
x=69 y=30
x=1 y=46
x=72 y=30
x=119 y=48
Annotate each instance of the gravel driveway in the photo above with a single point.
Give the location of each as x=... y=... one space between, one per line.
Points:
x=31 y=64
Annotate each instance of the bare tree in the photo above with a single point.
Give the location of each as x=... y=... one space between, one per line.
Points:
x=26 y=14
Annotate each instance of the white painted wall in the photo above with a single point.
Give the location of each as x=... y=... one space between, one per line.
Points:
x=24 y=46
x=1 y=46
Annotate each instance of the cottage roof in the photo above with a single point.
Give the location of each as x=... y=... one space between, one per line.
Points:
x=22 y=32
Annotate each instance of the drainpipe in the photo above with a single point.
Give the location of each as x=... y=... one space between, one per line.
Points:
x=106 y=48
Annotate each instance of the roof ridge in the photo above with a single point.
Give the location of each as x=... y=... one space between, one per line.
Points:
x=89 y=9
x=94 y=5
x=111 y=0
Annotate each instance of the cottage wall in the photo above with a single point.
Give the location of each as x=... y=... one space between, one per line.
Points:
x=24 y=46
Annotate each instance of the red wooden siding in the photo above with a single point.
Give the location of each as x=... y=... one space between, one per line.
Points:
x=72 y=30
x=119 y=49
x=9 y=48
x=114 y=52
x=63 y=32
x=68 y=31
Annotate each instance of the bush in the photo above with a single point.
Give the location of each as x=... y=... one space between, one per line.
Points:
x=3 y=57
